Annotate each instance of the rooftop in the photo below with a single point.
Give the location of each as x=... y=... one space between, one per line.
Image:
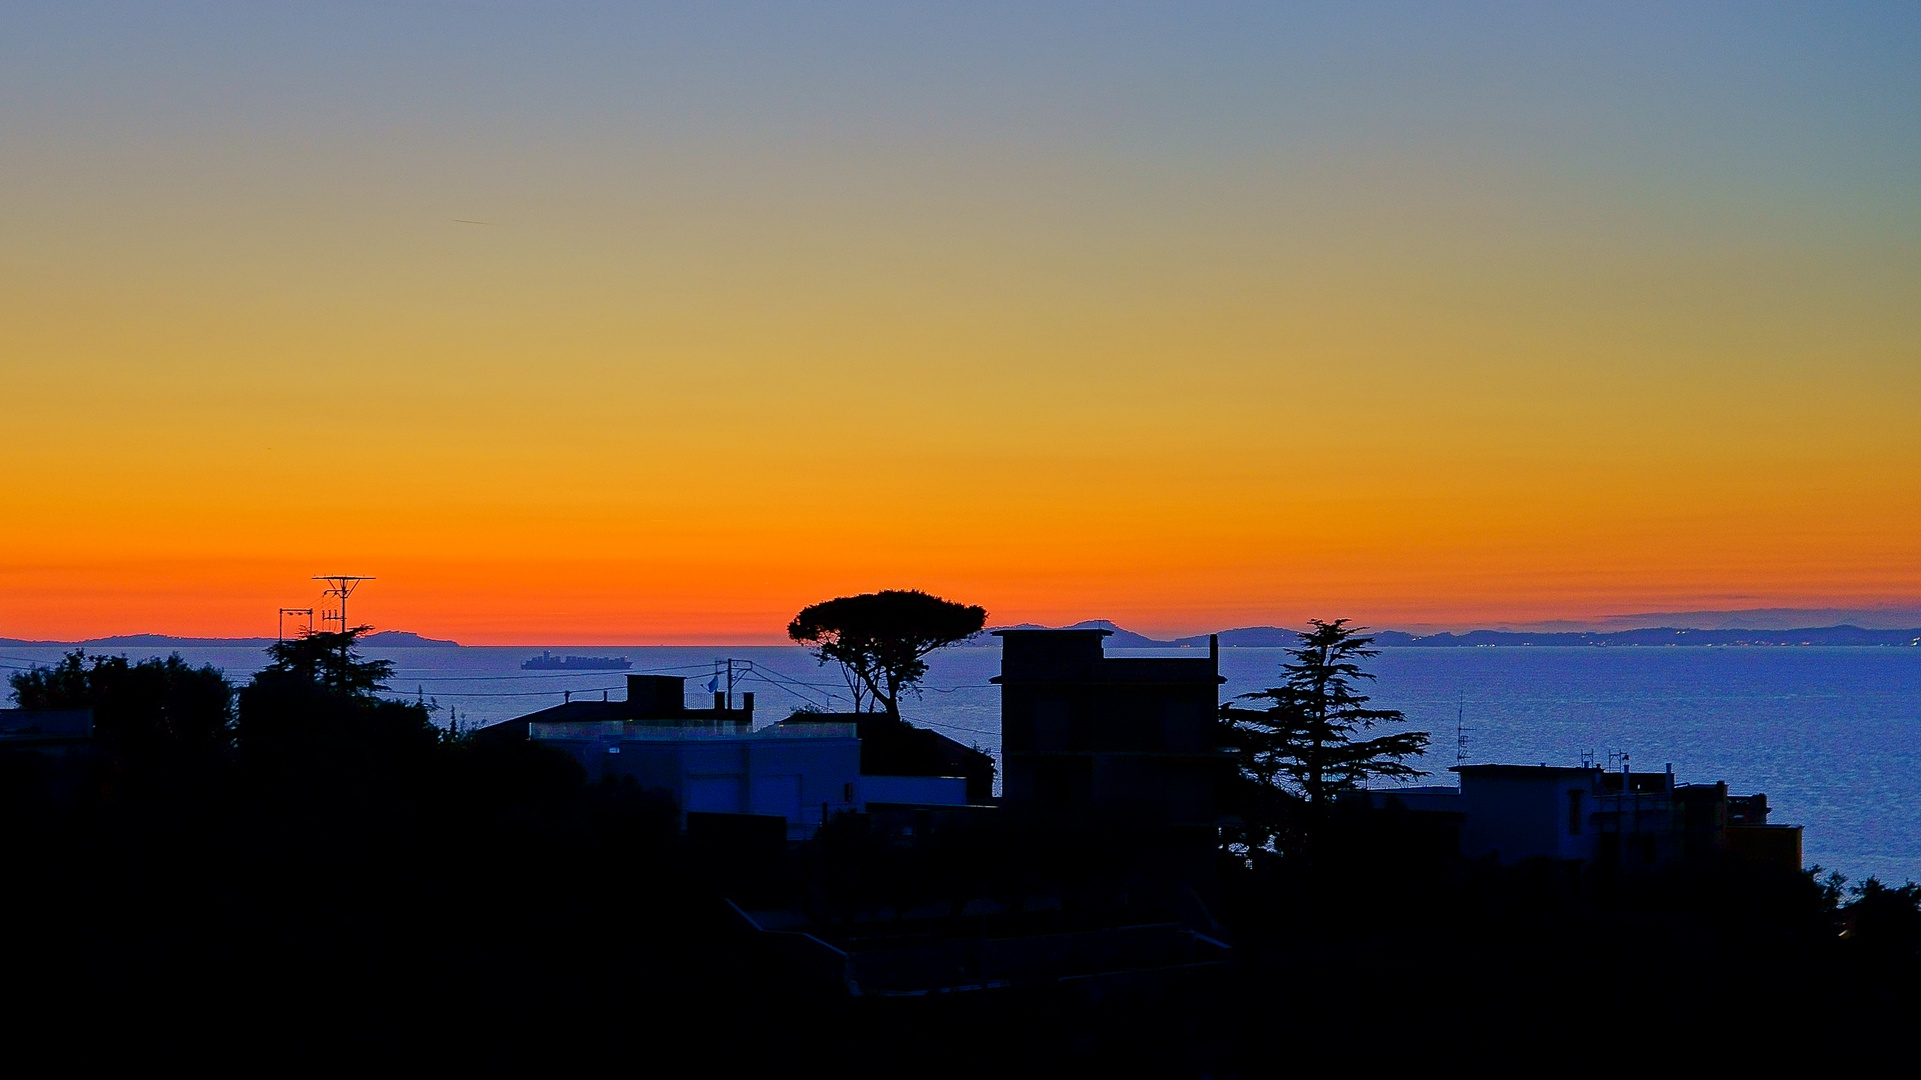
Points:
x=1539 y=771
x=643 y=731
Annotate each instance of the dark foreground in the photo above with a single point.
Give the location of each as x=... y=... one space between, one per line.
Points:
x=318 y=876
x=478 y=905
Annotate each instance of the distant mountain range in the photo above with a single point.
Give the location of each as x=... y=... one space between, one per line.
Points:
x=1659 y=635
x=1245 y=637
x=385 y=639
x=1887 y=617
x=1269 y=637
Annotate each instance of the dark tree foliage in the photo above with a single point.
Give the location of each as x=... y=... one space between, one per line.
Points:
x=881 y=639
x=138 y=708
x=346 y=874
x=1735 y=946
x=351 y=884
x=1885 y=919
x=328 y=661
x=318 y=698
x=1307 y=747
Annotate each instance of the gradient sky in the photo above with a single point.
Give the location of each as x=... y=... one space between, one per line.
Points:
x=603 y=322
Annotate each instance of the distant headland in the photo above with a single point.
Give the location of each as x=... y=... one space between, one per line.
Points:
x=1269 y=637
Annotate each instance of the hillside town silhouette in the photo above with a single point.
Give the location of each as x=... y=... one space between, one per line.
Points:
x=1148 y=879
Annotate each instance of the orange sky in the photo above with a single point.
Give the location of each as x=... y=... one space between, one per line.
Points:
x=686 y=380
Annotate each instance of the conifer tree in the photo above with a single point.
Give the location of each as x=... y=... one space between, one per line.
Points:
x=329 y=661
x=1307 y=747
x=318 y=696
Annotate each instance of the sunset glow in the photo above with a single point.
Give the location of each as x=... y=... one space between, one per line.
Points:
x=656 y=328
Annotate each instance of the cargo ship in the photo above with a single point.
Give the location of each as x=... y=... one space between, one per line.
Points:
x=547 y=661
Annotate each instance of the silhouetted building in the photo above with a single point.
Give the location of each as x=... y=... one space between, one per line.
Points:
x=711 y=761
x=1121 y=752
x=652 y=700
x=1619 y=819
x=880 y=789
x=1712 y=822
x=802 y=771
x=1086 y=735
x=55 y=732
x=892 y=749
x=1515 y=812
x=803 y=774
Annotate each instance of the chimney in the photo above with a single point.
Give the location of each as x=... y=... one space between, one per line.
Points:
x=747 y=702
x=655 y=696
x=720 y=701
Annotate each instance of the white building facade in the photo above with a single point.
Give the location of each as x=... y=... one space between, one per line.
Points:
x=805 y=773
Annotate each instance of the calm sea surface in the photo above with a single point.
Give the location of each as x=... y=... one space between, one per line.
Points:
x=1832 y=735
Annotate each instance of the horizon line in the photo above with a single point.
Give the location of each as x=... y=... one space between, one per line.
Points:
x=1537 y=629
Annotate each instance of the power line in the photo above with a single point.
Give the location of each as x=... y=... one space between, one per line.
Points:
x=522 y=693
x=789 y=679
x=556 y=675
x=803 y=695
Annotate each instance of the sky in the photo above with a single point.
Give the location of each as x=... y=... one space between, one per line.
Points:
x=632 y=323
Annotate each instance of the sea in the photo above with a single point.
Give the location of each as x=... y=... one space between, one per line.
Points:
x=1832 y=735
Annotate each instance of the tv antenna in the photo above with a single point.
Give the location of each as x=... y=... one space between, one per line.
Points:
x=342 y=586
x=1461 y=731
x=286 y=611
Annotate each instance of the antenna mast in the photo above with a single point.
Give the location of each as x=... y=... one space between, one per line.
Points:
x=342 y=586
x=1461 y=731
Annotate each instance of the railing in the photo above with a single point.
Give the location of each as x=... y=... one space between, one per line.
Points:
x=703 y=729
x=630 y=731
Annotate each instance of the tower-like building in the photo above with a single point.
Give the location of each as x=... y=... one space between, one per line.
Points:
x=1086 y=736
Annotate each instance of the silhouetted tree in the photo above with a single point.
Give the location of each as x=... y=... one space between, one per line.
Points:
x=881 y=639
x=317 y=696
x=1303 y=750
x=137 y=708
x=328 y=660
x=1885 y=920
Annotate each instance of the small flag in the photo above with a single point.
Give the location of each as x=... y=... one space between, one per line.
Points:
x=713 y=685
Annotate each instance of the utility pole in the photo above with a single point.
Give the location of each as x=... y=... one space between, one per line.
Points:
x=342 y=586
x=745 y=666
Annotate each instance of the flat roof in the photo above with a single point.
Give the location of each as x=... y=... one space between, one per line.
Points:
x=1542 y=771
